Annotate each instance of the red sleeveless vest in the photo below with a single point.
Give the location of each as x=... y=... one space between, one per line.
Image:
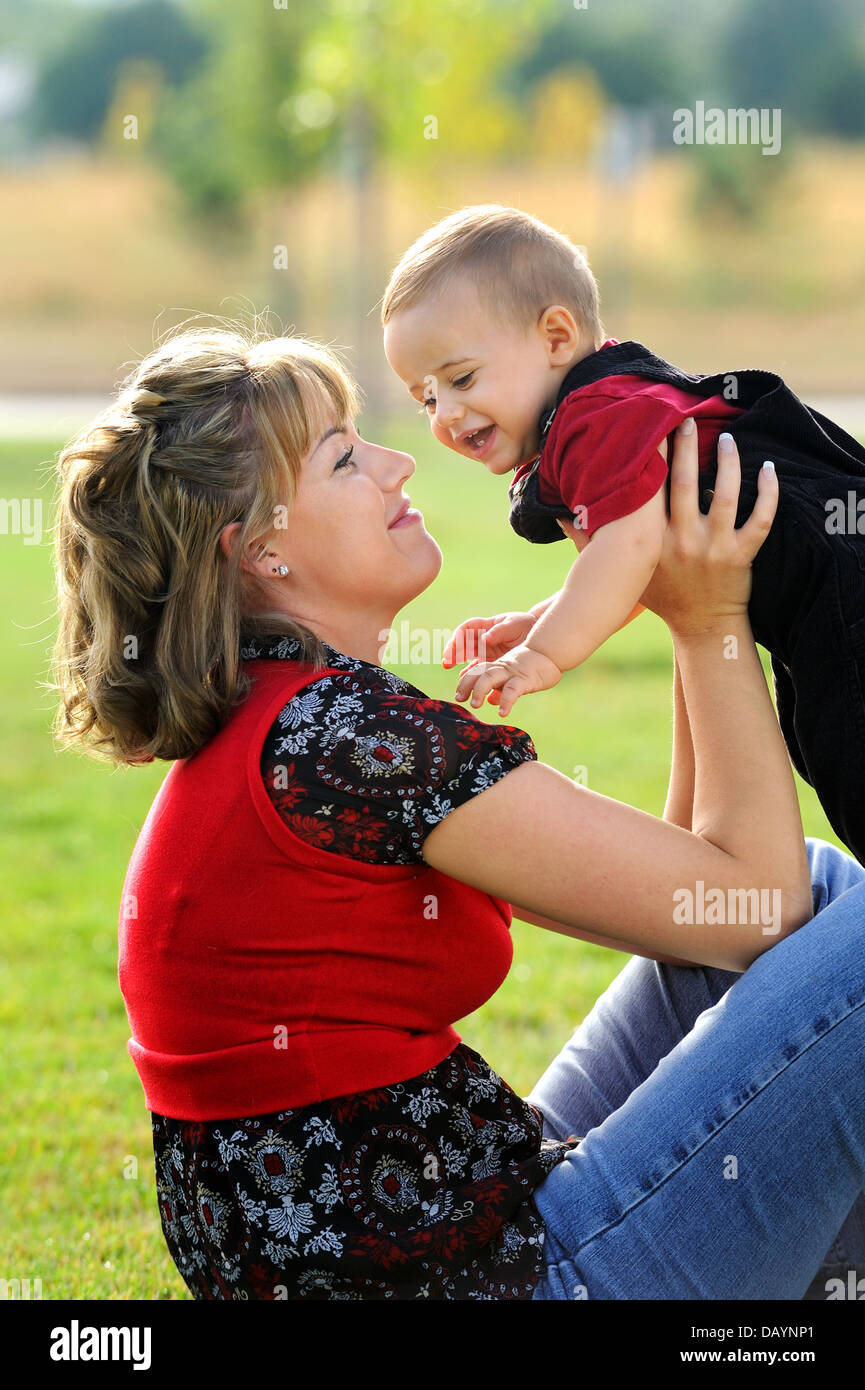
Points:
x=261 y=974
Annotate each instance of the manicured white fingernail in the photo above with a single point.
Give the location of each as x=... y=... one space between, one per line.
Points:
x=725 y=442
x=687 y=426
x=769 y=464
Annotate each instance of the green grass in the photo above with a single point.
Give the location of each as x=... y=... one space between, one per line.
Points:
x=76 y=1160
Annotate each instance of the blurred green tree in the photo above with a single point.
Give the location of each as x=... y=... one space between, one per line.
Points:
x=349 y=86
x=807 y=59
x=635 y=61
x=418 y=87
x=223 y=134
x=77 y=82
x=291 y=87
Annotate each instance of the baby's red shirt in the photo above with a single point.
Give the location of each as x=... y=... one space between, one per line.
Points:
x=600 y=458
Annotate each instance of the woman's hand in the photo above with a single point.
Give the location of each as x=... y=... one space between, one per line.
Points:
x=703 y=579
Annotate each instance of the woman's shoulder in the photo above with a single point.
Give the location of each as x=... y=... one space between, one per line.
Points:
x=366 y=764
x=351 y=671
x=349 y=688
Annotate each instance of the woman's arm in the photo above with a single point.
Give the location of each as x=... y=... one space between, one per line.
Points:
x=679 y=807
x=593 y=863
x=605 y=868
x=680 y=800
x=535 y=919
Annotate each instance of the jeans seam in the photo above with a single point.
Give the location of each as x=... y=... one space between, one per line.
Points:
x=611 y=1225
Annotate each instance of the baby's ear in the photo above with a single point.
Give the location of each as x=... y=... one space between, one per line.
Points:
x=561 y=334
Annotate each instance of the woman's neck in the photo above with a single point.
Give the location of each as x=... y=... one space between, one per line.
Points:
x=365 y=641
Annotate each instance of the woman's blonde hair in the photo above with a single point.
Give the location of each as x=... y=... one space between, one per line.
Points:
x=210 y=428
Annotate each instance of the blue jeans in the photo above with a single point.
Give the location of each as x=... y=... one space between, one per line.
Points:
x=724 y=1120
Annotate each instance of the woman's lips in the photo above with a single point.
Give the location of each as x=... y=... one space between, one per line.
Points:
x=407 y=519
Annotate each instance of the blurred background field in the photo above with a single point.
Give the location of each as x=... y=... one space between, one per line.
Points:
x=83 y=292
x=165 y=157
x=163 y=160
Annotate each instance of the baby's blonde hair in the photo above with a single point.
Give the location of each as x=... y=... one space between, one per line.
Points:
x=519 y=265
x=211 y=428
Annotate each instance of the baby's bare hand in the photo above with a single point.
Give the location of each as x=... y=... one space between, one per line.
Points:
x=487 y=639
x=521 y=672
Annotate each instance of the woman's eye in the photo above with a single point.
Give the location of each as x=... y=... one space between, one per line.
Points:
x=344 y=459
x=463 y=380
x=429 y=402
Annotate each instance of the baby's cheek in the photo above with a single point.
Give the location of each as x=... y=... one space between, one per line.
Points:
x=443 y=436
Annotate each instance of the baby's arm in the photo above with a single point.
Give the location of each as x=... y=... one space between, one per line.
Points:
x=539 y=609
x=603 y=586
x=597 y=598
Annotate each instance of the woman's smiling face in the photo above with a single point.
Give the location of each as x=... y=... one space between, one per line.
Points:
x=351 y=530
x=355 y=549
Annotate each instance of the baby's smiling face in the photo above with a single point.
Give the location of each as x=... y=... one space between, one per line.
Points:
x=484 y=386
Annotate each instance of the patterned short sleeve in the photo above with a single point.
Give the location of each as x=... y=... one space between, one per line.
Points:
x=367 y=767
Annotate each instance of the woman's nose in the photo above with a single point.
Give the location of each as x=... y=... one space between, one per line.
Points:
x=394 y=467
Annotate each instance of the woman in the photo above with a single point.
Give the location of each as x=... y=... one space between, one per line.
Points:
x=324 y=882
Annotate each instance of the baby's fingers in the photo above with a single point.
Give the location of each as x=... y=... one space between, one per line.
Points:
x=467 y=680
x=510 y=693
x=504 y=635
x=488 y=678
x=499 y=632
x=466 y=642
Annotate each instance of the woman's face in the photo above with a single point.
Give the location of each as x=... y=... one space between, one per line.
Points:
x=355 y=550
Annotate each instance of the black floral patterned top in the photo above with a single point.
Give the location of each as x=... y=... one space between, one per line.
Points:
x=416 y=1190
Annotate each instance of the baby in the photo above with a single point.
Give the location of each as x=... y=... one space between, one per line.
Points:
x=491 y=319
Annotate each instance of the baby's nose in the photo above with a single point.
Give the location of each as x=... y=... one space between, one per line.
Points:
x=448 y=410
